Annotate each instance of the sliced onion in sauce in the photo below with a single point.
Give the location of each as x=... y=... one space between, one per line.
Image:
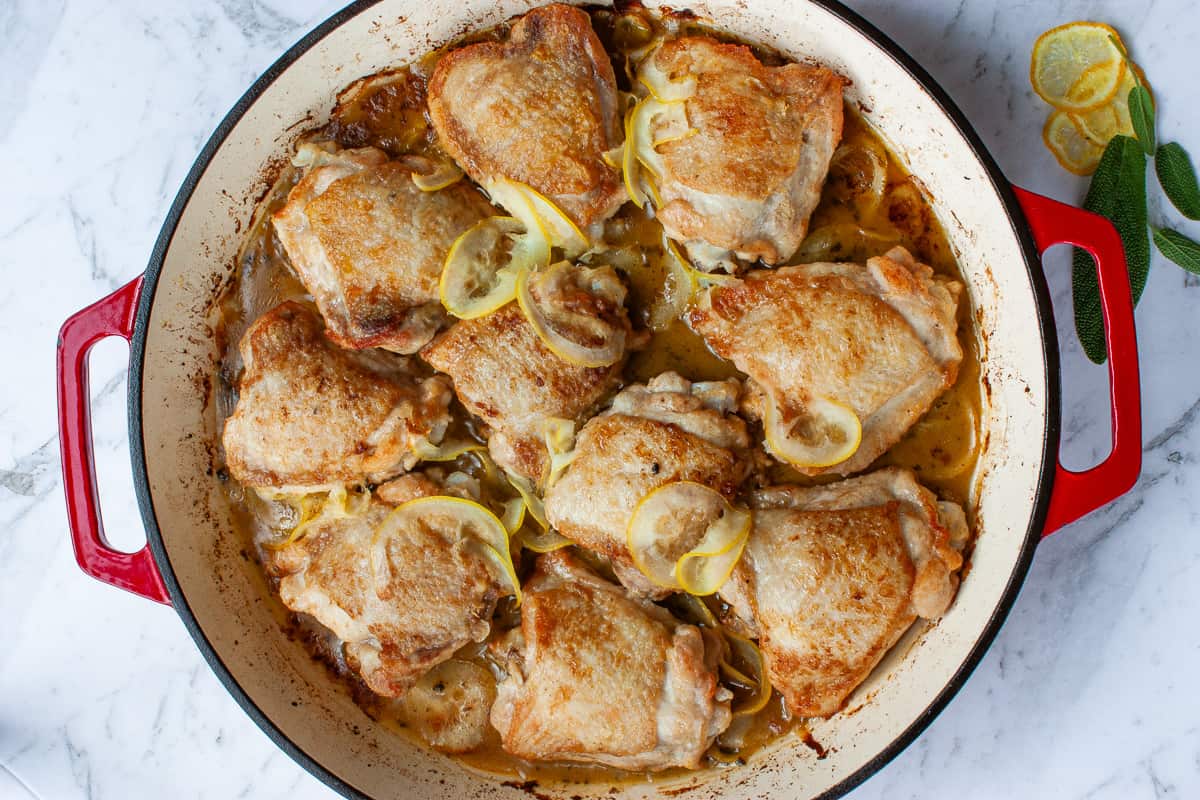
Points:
x=440 y=174
x=751 y=656
x=863 y=166
x=686 y=536
x=446 y=451
x=612 y=341
x=825 y=433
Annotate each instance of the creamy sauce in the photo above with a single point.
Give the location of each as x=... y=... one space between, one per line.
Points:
x=849 y=224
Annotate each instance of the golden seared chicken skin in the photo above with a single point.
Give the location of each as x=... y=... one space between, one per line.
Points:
x=540 y=108
x=402 y=595
x=666 y=431
x=833 y=575
x=369 y=245
x=880 y=340
x=507 y=376
x=597 y=676
x=310 y=414
x=744 y=176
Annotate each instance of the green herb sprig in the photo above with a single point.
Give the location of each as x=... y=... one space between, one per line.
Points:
x=1118 y=192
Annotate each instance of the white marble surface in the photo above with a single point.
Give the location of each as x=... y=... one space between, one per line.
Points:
x=1089 y=691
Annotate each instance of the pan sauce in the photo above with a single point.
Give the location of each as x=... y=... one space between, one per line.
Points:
x=387 y=111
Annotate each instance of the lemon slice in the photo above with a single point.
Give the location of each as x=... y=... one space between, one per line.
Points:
x=1112 y=118
x=533 y=503
x=699 y=278
x=310 y=509
x=630 y=171
x=1064 y=55
x=514 y=515
x=446 y=451
x=660 y=85
x=686 y=536
x=544 y=541
x=468 y=518
x=537 y=211
x=443 y=174
x=608 y=352
x=826 y=433
x=559 y=437
x=1074 y=152
x=482 y=266
x=751 y=657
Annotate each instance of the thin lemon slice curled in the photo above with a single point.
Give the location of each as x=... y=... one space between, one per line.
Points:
x=543 y=541
x=311 y=509
x=559 y=437
x=533 y=503
x=686 y=536
x=1062 y=56
x=443 y=174
x=470 y=519
x=482 y=266
x=605 y=354
x=1073 y=151
x=537 y=211
x=825 y=434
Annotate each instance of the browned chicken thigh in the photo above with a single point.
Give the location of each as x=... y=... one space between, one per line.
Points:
x=369 y=244
x=311 y=415
x=507 y=376
x=540 y=108
x=833 y=575
x=597 y=676
x=741 y=180
x=403 y=597
x=880 y=340
x=666 y=431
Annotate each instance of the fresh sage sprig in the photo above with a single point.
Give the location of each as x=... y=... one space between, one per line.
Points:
x=1179 y=248
x=1118 y=192
x=1178 y=179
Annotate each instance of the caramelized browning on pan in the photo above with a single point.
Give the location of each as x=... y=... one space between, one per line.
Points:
x=512 y=689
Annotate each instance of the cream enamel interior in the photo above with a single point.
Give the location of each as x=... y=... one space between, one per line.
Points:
x=224 y=588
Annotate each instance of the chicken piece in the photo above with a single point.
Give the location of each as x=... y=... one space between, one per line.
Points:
x=540 y=108
x=597 y=676
x=423 y=593
x=833 y=575
x=310 y=415
x=504 y=374
x=369 y=245
x=745 y=183
x=880 y=339
x=666 y=431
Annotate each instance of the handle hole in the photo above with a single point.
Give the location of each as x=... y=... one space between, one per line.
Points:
x=1086 y=415
x=108 y=366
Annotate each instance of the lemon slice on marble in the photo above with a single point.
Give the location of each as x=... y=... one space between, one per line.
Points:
x=1083 y=56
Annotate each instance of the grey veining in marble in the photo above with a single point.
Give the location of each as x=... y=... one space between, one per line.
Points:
x=1088 y=692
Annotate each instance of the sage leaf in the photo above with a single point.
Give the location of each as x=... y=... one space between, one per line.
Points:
x=1178 y=179
x=1118 y=193
x=1141 y=115
x=1179 y=248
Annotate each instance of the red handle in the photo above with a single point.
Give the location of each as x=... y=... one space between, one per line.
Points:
x=1079 y=493
x=112 y=316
